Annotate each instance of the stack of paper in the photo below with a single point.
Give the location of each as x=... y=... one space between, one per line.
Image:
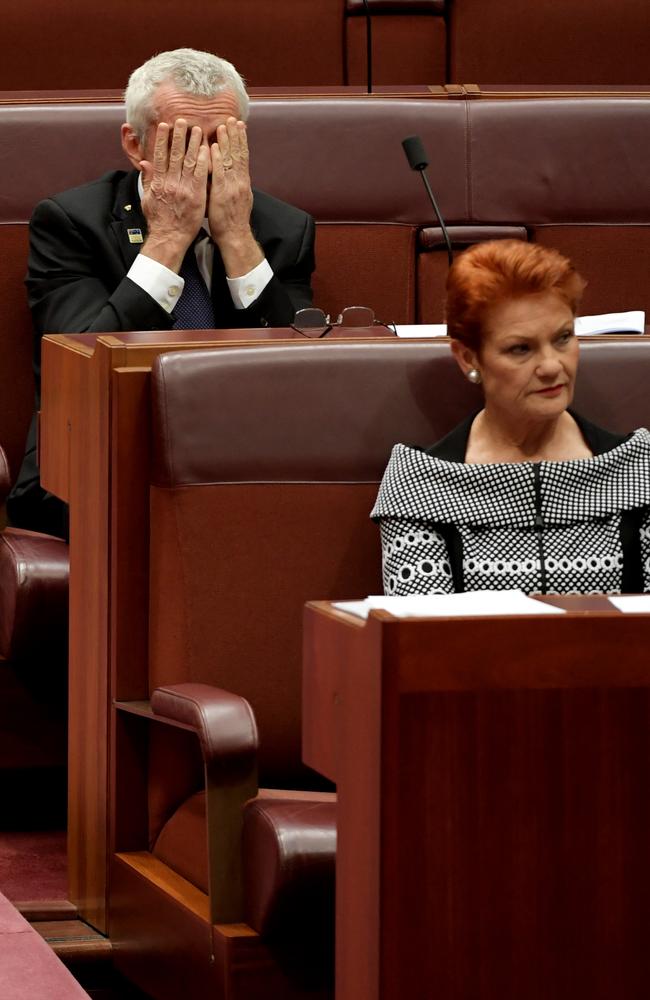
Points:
x=470 y=603
x=624 y=322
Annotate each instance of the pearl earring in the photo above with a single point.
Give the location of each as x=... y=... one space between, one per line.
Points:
x=474 y=376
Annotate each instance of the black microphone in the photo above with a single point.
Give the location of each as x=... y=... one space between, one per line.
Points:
x=368 y=44
x=418 y=161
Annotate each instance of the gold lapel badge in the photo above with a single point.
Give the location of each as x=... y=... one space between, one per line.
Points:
x=135 y=236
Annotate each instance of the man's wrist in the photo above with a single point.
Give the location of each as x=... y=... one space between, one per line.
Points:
x=162 y=284
x=169 y=252
x=240 y=254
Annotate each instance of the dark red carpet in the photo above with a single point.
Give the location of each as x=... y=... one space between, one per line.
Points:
x=33 y=865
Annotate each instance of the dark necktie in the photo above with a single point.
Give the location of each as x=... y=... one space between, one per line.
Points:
x=194 y=310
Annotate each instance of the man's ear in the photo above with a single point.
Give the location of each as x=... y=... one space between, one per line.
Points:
x=465 y=357
x=131 y=145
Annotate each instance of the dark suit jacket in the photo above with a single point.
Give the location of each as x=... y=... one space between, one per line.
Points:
x=79 y=255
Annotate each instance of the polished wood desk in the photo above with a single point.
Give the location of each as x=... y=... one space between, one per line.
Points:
x=493 y=780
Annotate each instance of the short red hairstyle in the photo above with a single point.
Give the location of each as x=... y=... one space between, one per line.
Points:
x=489 y=273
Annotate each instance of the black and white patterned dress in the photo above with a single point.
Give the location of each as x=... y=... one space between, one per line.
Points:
x=579 y=526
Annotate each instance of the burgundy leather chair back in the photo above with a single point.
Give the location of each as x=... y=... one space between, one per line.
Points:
x=342 y=161
x=266 y=464
x=46 y=148
x=570 y=172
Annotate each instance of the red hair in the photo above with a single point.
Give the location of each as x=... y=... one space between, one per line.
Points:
x=489 y=273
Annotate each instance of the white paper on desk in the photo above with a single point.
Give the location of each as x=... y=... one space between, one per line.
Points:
x=634 y=604
x=625 y=322
x=422 y=330
x=471 y=603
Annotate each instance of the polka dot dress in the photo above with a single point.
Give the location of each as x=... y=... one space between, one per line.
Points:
x=562 y=537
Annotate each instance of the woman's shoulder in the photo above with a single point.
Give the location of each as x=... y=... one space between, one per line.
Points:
x=432 y=484
x=598 y=439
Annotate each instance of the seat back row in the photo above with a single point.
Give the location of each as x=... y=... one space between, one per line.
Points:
x=568 y=172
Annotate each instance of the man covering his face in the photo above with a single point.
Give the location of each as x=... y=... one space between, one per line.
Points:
x=179 y=241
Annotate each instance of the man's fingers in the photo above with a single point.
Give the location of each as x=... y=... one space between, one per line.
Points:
x=238 y=145
x=223 y=143
x=202 y=163
x=179 y=142
x=160 y=149
x=243 y=141
x=233 y=138
x=217 y=165
x=146 y=172
x=193 y=147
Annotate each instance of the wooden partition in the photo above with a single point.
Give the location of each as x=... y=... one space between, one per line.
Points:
x=493 y=814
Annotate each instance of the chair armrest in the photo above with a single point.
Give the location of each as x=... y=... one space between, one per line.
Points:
x=225 y=726
x=34 y=571
x=5 y=476
x=224 y=722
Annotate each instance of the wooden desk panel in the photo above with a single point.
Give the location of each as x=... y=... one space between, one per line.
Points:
x=494 y=815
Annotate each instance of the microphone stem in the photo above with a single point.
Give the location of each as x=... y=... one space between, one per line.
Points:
x=438 y=216
x=368 y=44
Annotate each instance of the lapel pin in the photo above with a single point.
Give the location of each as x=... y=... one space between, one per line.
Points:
x=135 y=236
x=127 y=208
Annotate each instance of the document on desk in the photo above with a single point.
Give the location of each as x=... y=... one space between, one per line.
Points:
x=472 y=603
x=632 y=321
x=414 y=331
x=624 y=322
x=633 y=604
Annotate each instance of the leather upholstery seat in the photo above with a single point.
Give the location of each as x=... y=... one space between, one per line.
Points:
x=34 y=572
x=289 y=850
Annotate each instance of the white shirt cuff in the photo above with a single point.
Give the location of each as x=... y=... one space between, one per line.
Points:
x=249 y=287
x=158 y=281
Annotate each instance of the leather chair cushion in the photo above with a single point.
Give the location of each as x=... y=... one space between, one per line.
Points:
x=289 y=845
x=289 y=848
x=34 y=572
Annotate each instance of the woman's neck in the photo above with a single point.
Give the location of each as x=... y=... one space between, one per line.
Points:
x=494 y=438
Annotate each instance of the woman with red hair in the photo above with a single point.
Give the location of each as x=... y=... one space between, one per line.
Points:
x=525 y=493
